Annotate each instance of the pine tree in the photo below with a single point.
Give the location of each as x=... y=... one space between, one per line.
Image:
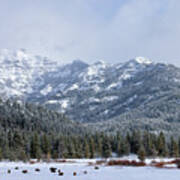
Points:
x=179 y=145
x=141 y=153
x=125 y=147
x=35 y=147
x=152 y=150
x=86 y=150
x=174 y=148
x=1 y=155
x=6 y=152
x=135 y=141
x=10 y=139
x=147 y=143
x=99 y=147
x=92 y=148
x=80 y=149
x=118 y=145
x=17 y=140
x=22 y=155
x=119 y=150
x=45 y=145
x=71 y=150
x=62 y=148
x=161 y=145
x=106 y=148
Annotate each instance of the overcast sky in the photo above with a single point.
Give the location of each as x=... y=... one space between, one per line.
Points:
x=91 y=30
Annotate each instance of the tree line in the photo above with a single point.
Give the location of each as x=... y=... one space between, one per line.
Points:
x=23 y=146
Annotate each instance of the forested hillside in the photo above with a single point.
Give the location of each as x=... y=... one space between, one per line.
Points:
x=30 y=131
x=22 y=124
x=29 y=118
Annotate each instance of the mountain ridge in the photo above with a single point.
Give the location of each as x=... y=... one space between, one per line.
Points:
x=100 y=94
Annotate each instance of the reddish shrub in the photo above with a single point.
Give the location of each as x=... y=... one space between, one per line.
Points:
x=125 y=163
x=99 y=162
x=160 y=164
x=32 y=162
x=177 y=162
x=61 y=161
x=135 y=163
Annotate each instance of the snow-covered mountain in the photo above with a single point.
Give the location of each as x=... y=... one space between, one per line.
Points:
x=20 y=71
x=79 y=84
x=93 y=92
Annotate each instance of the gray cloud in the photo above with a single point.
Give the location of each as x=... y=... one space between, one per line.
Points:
x=114 y=31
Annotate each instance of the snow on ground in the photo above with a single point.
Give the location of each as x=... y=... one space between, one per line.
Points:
x=147 y=161
x=80 y=166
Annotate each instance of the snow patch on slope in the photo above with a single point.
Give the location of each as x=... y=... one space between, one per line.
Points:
x=142 y=60
x=46 y=90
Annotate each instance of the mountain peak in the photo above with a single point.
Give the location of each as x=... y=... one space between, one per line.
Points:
x=14 y=55
x=100 y=62
x=21 y=54
x=78 y=62
x=142 y=60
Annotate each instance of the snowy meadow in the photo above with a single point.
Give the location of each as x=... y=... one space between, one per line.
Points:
x=87 y=169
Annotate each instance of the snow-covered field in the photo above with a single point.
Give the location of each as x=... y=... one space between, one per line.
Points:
x=103 y=173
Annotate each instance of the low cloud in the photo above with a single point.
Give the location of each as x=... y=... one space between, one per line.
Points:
x=114 y=31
